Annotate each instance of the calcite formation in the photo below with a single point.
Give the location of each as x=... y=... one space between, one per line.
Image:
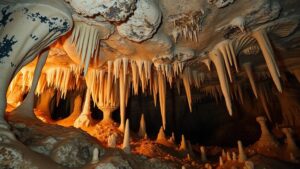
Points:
x=173 y=66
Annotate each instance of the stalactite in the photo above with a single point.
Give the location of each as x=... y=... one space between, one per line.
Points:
x=86 y=39
x=296 y=72
x=262 y=97
x=186 y=82
x=249 y=72
x=162 y=97
x=109 y=80
x=268 y=53
x=219 y=64
x=122 y=86
x=135 y=77
x=126 y=141
x=154 y=84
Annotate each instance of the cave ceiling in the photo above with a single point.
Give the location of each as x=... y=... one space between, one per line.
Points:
x=154 y=43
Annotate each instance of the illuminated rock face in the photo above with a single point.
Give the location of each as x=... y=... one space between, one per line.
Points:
x=110 y=50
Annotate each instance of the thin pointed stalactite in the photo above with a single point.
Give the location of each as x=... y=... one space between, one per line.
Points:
x=207 y=62
x=122 y=86
x=249 y=72
x=268 y=53
x=162 y=97
x=262 y=96
x=109 y=80
x=186 y=82
x=86 y=40
x=219 y=64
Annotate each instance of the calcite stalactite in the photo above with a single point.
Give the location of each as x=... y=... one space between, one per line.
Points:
x=249 y=72
x=186 y=78
x=268 y=53
x=266 y=139
x=123 y=87
x=262 y=94
x=161 y=80
x=219 y=64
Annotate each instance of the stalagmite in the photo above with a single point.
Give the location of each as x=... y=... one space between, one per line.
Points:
x=126 y=141
x=95 y=158
x=203 y=154
x=266 y=138
x=186 y=82
x=190 y=148
x=248 y=165
x=268 y=53
x=219 y=64
x=183 y=144
x=112 y=141
x=291 y=144
x=161 y=137
x=172 y=138
x=208 y=166
x=84 y=118
x=221 y=163
x=234 y=156
x=142 y=129
x=242 y=155
x=228 y=157
x=249 y=72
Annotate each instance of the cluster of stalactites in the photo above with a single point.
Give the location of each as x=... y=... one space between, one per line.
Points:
x=62 y=79
x=86 y=38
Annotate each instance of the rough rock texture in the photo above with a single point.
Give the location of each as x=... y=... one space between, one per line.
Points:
x=144 y=22
x=116 y=10
x=66 y=146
